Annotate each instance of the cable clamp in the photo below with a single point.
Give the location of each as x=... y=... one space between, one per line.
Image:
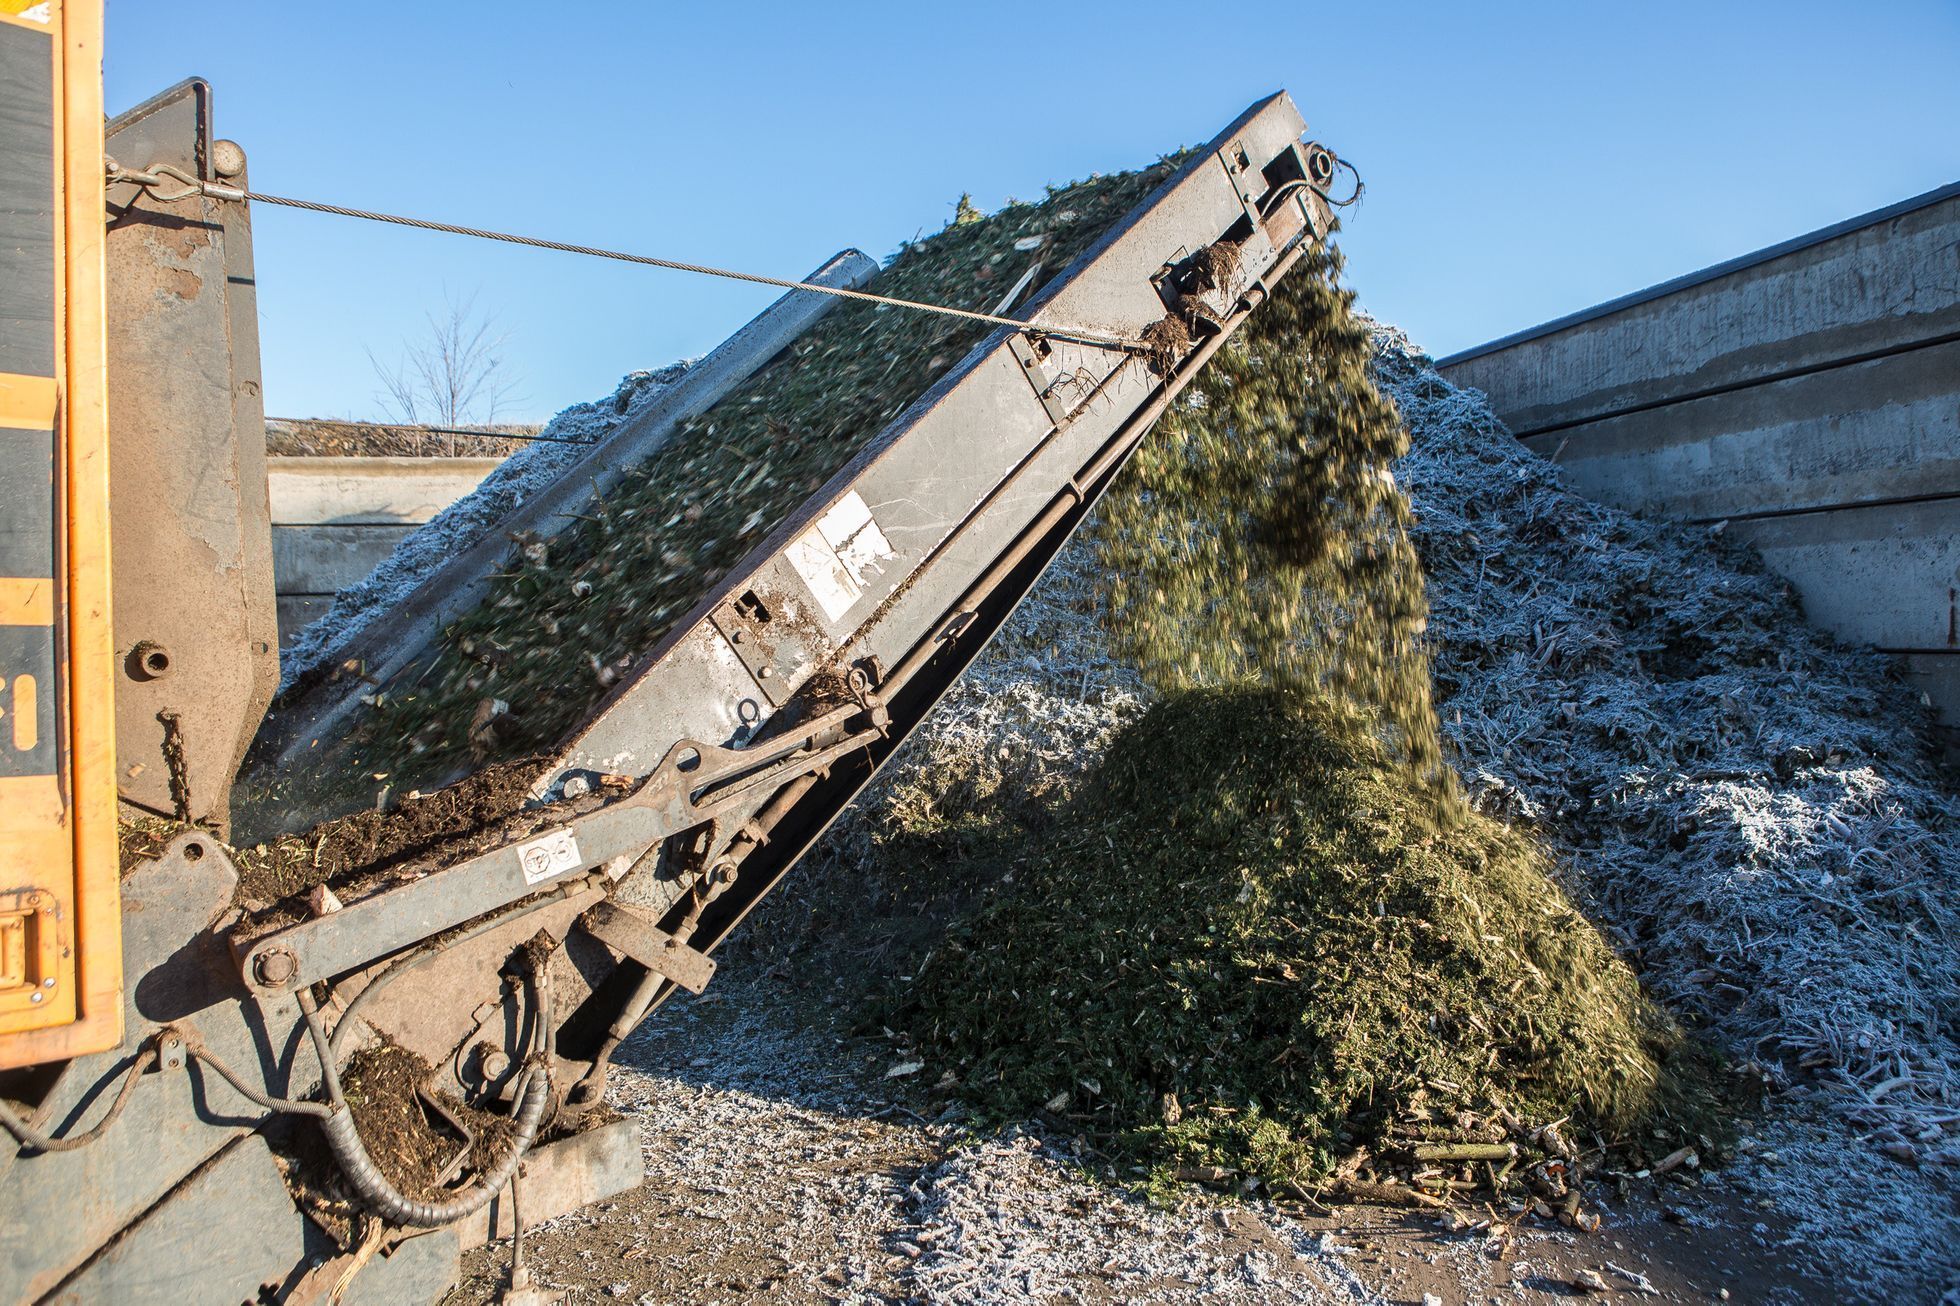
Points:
x=151 y=182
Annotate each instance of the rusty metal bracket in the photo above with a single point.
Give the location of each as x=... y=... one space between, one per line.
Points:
x=628 y=932
x=1247 y=179
x=694 y=783
x=780 y=651
x=1037 y=365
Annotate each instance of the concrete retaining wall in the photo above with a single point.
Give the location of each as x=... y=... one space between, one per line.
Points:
x=335 y=519
x=1808 y=394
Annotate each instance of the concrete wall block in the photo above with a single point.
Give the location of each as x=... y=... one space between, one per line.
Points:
x=323 y=559
x=1837 y=390
x=1873 y=288
x=1886 y=429
x=297 y=611
x=1887 y=575
x=369 y=491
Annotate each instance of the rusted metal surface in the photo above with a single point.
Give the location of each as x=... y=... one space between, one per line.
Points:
x=481 y=1013
x=195 y=615
x=627 y=932
x=561 y=1177
x=695 y=783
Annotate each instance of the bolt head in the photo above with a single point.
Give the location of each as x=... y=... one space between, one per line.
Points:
x=276 y=967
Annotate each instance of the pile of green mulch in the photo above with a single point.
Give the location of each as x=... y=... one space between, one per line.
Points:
x=571 y=614
x=1268 y=940
x=1254 y=946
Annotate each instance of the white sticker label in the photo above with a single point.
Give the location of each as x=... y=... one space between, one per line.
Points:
x=823 y=571
x=555 y=854
x=837 y=557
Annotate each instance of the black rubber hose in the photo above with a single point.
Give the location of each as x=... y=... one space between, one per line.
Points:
x=30 y=1137
x=381 y=1196
x=388 y=1202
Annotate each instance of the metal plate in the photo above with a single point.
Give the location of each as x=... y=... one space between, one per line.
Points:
x=194 y=607
x=626 y=931
x=175 y=1122
x=774 y=626
x=225 y=1234
x=563 y=1176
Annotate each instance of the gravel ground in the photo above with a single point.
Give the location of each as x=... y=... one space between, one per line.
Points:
x=782 y=1165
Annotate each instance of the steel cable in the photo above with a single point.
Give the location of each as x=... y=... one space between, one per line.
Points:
x=215 y=190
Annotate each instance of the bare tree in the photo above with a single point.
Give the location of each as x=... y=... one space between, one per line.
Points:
x=454 y=377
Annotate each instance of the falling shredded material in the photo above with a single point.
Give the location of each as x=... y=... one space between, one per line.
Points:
x=1762 y=826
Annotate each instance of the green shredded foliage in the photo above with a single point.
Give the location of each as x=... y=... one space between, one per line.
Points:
x=1251 y=913
x=1260 y=534
x=142 y=838
x=573 y=613
x=1269 y=932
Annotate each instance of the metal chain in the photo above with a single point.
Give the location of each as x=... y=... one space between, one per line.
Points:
x=150 y=181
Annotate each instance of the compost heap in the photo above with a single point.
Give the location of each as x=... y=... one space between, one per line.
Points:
x=1269 y=940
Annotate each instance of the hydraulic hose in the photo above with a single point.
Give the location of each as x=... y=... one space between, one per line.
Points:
x=380 y=1195
x=388 y=1201
x=30 y=1137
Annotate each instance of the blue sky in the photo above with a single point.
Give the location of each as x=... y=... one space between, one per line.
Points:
x=1523 y=159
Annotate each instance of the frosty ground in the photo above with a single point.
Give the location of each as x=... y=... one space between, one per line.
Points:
x=1754 y=814
x=783 y=1166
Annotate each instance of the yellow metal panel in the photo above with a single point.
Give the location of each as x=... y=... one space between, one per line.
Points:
x=26 y=601
x=59 y=895
x=27 y=403
x=91 y=642
x=17 y=13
